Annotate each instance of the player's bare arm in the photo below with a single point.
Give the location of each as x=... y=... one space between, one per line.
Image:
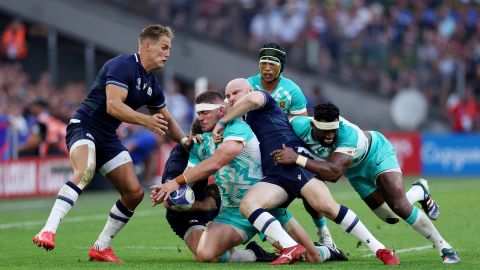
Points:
x=330 y=170
x=173 y=128
x=117 y=108
x=249 y=102
x=225 y=153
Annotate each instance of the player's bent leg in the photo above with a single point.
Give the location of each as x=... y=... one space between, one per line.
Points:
x=192 y=237
x=82 y=156
x=264 y=196
x=217 y=243
x=378 y=205
x=431 y=208
x=124 y=179
x=298 y=233
x=324 y=236
x=319 y=197
x=392 y=190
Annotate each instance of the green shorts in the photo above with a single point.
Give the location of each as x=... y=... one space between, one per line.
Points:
x=380 y=158
x=233 y=217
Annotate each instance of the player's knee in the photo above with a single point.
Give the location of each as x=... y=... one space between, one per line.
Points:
x=84 y=177
x=133 y=198
x=247 y=207
x=205 y=255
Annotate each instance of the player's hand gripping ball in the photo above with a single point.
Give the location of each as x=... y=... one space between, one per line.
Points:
x=182 y=199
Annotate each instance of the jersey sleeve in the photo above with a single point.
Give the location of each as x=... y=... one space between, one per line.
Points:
x=268 y=101
x=238 y=131
x=301 y=126
x=347 y=140
x=299 y=102
x=194 y=157
x=119 y=73
x=158 y=100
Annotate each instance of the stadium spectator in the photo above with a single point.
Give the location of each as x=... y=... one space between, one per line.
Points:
x=425 y=42
x=94 y=145
x=142 y=144
x=463 y=111
x=14 y=42
x=56 y=129
x=179 y=105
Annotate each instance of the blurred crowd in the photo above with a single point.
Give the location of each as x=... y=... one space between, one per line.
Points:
x=381 y=46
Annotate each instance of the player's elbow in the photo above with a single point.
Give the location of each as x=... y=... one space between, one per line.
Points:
x=334 y=176
x=112 y=107
x=255 y=99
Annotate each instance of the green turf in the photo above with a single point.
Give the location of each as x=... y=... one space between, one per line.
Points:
x=148 y=243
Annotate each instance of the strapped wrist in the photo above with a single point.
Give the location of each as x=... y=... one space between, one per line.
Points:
x=181 y=179
x=301 y=161
x=183 y=140
x=221 y=123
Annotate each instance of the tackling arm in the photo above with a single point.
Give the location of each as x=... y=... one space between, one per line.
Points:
x=329 y=170
x=332 y=169
x=249 y=102
x=225 y=153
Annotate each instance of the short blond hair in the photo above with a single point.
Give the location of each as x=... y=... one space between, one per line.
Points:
x=155 y=31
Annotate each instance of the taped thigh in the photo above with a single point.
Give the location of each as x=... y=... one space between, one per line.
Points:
x=385 y=213
x=120 y=159
x=90 y=169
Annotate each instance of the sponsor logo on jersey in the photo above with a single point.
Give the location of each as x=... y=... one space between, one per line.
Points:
x=139 y=82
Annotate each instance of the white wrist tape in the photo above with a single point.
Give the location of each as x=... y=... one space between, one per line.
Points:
x=301 y=161
x=183 y=140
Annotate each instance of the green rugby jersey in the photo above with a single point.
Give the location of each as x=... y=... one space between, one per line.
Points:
x=287 y=94
x=235 y=178
x=350 y=139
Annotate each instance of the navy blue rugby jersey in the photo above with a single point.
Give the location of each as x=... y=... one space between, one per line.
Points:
x=176 y=164
x=127 y=72
x=272 y=129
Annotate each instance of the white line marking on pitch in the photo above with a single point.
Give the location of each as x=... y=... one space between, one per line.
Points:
x=69 y=220
x=141 y=247
x=406 y=250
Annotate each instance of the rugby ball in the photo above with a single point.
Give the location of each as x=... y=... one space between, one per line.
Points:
x=181 y=199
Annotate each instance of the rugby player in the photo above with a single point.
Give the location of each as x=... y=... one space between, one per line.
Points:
x=123 y=84
x=282 y=184
x=292 y=101
x=369 y=162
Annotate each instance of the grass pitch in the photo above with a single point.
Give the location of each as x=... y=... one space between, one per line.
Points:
x=147 y=242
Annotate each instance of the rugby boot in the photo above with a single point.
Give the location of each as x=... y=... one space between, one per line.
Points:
x=261 y=254
x=387 y=257
x=431 y=208
x=104 y=255
x=449 y=255
x=45 y=239
x=290 y=255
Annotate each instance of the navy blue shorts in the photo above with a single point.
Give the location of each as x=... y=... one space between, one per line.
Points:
x=108 y=148
x=180 y=222
x=291 y=177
